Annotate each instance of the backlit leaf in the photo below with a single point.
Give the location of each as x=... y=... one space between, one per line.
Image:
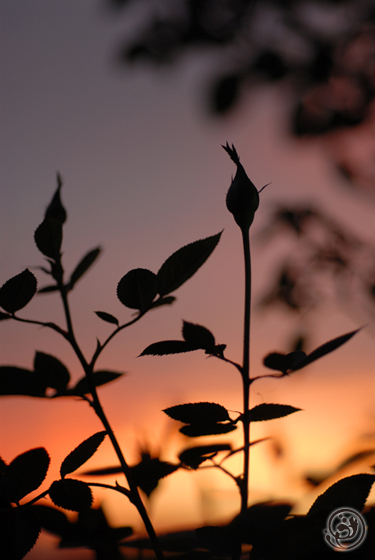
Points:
x=20 y=381
x=83 y=266
x=327 y=348
x=81 y=454
x=349 y=492
x=193 y=413
x=71 y=494
x=51 y=370
x=182 y=264
x=100 y=377
x=48 y=289
x=24 y=474
x=19 y=532
x=207 y=429
x=166 y=347
x=198 y=336
x=195 y=456
x=137 y=289
x=267 y=411
x=4 y=316
x=107 y=317
x=55 y=209
x=48 y=238
x=18 y=291
x=148 y=473
x=285 y=362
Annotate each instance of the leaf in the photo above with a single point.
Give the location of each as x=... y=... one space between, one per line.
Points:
x=166 y=347
x=137 y=289
x=193 y=413
x=163 y=301
x=267 y=411
x=107 y=317
x=327 y=348
x=83 y=266
x=52 y=520
x=349 y=492
x=55 y=209
x=182 y=264
x=48 y=238
x=19 y=381
x=195 y=456
x=24 y=474
x=4 y=316
x=207 y=429
x=18 y=291
x=71 y=494
x=48 y=289
x=51 y=370
x=198 y=337
x=148 y=473
x=285 y=362
x=104 y=471
x=81 y=454
x=99 y=377
x=19 y=532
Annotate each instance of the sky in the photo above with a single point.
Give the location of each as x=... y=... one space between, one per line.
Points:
x=144 y=174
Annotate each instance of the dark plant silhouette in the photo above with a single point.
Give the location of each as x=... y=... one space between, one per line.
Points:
x=268 y=530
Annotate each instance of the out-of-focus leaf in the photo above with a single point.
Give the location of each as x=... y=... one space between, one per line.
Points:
x=107 y=317
x=195 y=456
x=19 y=532
x=182 y=264
x=4 y=316
x=51 y=370
x=71 y=494
x=268 y=411
x=148 y=473
x=19 y=381
x=48 y=238
x=48 y=289
x=100 y=377
x=193 y=413
x=24 y=474
x=81 y=454
x=225 y=93
x=350 y=492
x=18 y=291
x=83 y=266
x=137 y=289
x=207 y=429
x=284 y=362
x=53 y=520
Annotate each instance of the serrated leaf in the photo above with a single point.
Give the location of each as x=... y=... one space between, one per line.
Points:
x=182 y=264
x=81 y=453
x=20 y=381
x=24 y=474
x=107 y=317
x=137 y=289
x=327 y=348
x=193 y=413
x=195 y=456
x=100 y=377
x=350 y=492
x=71 y=494
x=19 y=532
x=148 y=473
x=51 y=370
x=55 y=209
x=268 y=411
x=18 y=291
x=83 y=266
x=165 y=347
x=207 y=429
x=48 y=238
x=198 y=337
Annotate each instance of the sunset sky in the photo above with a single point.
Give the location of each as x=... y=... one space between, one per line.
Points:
x=144 y=174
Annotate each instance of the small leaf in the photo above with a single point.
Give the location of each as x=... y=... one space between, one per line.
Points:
x=81 y=454
x=266 y=411
x=99 y=378
x=19 y=532
x=137 y=289
x=24 y=474
x=51 y=370
x=193 y=413
x=285 y=362
x=18 y=291
x=20 y=381
x=71 y=494
x=168 y=300
x=327 y=348
x=104 y=471
x=55 y=209
x=195 y=456
x=48 y=238
x=107 y=317
x=207 y=429
x=4 y=316
x=53 y=520
x=83 y=266
x=148 y=473
x=181 y=266
x=166 y=347
x=48 y=289
x=198 y=337
x=350 y=492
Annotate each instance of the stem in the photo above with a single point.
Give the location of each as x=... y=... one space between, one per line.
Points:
x=246 y=371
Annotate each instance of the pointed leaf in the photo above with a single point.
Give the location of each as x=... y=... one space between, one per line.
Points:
x=198 y=336
x=24 y=474
x=193 y=413
x=351 y=492
x=327 y=348
x=104 y=471
x=107 y=317
x=18 y=291
x=148 y=473
x=48 y=238
x=99 y=378
x=71 y=494
x=55 y=209
x=165 y=347
x=83 y=266
x=137 y=289
x=195 y=456
x=48 y=289
x=51 y=370
x=19 y=532
x=19 y=381
x=81 y=454
x=207 y=429
x=267 y=411
x=181 y=266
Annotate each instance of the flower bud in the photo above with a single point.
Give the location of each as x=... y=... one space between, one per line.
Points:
x=242 y=197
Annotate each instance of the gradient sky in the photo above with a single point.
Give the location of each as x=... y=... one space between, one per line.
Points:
x=144 y=174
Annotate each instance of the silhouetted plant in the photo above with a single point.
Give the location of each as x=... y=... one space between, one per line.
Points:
x=270 y=529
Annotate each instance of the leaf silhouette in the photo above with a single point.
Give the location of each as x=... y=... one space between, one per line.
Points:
x=285 y=362
x=18 y=291
x=83 y=266
x=55 y=209
x=148 y=472
x=24 y=474
x=48 y=289
x=100 y=377
x=81 y=454
x=182 y=264
x=20 y=530
x=351 y=492
x=107 y=317
x=48 y=238
x=168 y=300
x=199 y=337
x=193 y=413
x=51 y=370
x=137 y=289
x=207 y=429
x=4 y=316
x=327 y=348
x=20 y=381
x=165 y=347
x=195 y=456
x=268 y=411
x=71 y=494
x=53 y=520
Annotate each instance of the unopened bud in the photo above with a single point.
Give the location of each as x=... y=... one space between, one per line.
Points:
x=242 y=197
